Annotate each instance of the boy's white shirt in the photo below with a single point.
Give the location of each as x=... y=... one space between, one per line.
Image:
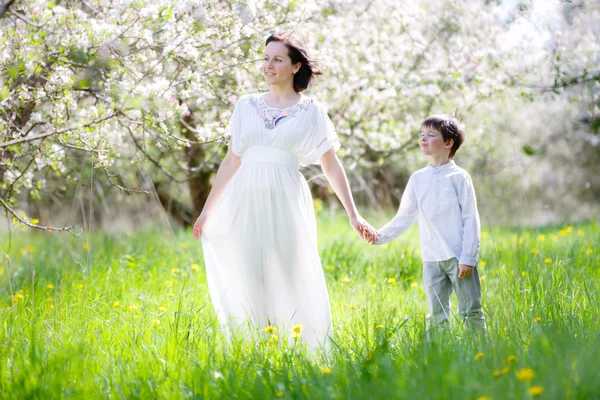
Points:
x=443 y=200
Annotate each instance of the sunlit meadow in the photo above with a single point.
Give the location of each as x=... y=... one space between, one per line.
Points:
x=129 y=317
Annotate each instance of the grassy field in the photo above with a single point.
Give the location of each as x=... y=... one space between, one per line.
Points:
x=130 y=317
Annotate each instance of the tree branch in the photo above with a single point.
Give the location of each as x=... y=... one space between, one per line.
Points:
x=43 y=135
x=36 y=226
x=152 y=160
x=4 y=5
x=565 y=82
x=111 y=176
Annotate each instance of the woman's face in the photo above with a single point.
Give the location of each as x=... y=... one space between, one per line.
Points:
x=278 y=67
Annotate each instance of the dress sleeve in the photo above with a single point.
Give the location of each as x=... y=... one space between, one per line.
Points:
x=324 y=137
x=233 y=129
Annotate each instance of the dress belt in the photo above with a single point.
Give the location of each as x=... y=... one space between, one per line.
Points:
x=260 y=154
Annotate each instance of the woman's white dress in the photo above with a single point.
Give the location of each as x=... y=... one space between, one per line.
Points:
x=260 y=243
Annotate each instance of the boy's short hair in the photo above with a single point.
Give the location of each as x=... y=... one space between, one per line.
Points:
x=449 y=127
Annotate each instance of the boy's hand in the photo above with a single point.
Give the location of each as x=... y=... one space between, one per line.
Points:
x=464 y=271
x=364 y=229
x=370 y=235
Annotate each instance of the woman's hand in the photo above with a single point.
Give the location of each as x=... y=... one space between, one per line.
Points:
x=364 y=229
x=199 y=226
x=227 y=169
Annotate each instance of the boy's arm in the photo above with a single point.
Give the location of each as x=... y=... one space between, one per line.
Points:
x=470 y=221
x=406 y=215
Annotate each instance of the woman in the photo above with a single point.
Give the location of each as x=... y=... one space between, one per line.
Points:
x=258 y=226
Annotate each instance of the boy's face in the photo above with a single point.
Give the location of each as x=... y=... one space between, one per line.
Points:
x=432 y=143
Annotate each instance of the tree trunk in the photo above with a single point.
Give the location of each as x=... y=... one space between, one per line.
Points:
x=199 y=178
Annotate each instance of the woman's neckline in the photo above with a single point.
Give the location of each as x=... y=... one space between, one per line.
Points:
x=262 y=96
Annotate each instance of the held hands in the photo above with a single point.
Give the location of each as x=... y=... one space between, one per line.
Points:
x=364 y=229
x=464 y=271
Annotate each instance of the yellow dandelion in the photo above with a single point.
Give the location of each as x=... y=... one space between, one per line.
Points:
x=505 y=370
x=272 y=340
x=116 y=304
x=511 y=359
x=51 y=306
x=521 y=240
x=295 y=336
x=169 y=282
x=391 y=280
x=155 y=322
x=482 y=263
x=484 y=398
x=330 y=267
x=542 y=237
x=548 y=260
x=346 y=279
x=326 y=370
x=1 y=270
x=175 y=270
x=49 y=286
x=279 y=394
x=485 y=235
x=379 y=326
x=523 y=273
x=182 y=245
x=580 y=233
x=534 y=250
x=537 y=319
x=298 y=328
x=589 y=251
x=554 y=238
x=270 y=329
x=30 y=248
x=133 y=307
x=49 y=299
x=414 y=285
x=85 y=246
x=80 y=286
x=569 y=229
x=18 y=297
x=195 y=267
x=525 y=374
x=162 y=309
x=479 y=356
x=535 y=390
x=563 y=232
x=482 y=278
x=318 y=205
x=498 y=248
x=351 y=307
x=497 y=372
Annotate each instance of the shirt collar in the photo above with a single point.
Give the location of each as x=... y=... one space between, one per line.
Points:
x=442 y=167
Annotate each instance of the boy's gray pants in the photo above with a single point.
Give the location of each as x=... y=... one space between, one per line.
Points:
x=440 y=278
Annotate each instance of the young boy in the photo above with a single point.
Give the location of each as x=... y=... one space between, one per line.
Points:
x=441 y=196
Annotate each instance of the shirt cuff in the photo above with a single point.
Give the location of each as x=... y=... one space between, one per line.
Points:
x=384 y=238
x=472 y=261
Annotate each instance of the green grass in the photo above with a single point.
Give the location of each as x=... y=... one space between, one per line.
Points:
x=99 y=330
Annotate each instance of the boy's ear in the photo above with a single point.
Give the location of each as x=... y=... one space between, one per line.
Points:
x=449 y=144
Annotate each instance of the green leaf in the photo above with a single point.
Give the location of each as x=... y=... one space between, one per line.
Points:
x=13 y=71
x=596 y=125
x=4 y=92
x=527 y=149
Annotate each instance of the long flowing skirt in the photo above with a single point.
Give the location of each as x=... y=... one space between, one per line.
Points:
x=261 y=256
